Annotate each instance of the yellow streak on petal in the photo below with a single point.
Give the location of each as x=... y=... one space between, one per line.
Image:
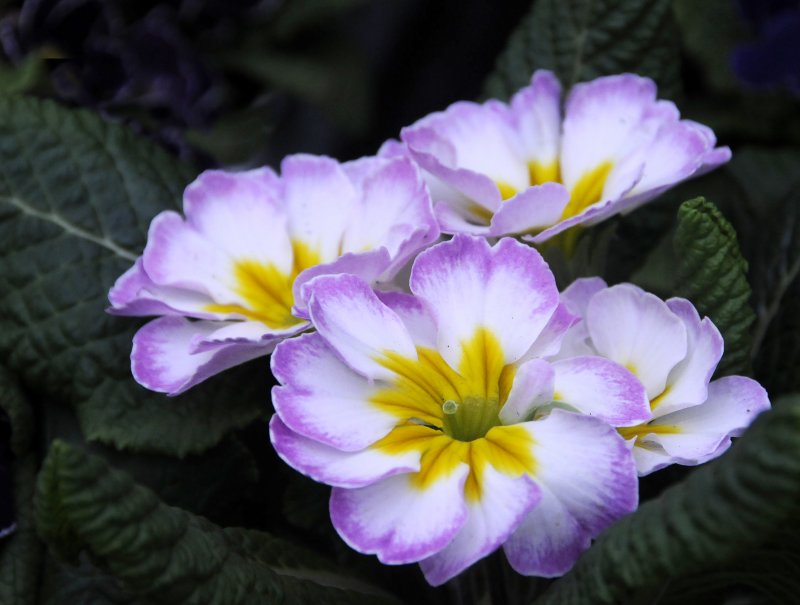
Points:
x=657 y=400
x=508 y=449
x=422 y=385
x=640 y=431
x=539 y=173
x=266 y=291
x=588 y=190
x=506 y=191
x=482 y=364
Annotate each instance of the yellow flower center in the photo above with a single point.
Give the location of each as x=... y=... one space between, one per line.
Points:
x=451 y=416
x=587 y=190
x=265 y=290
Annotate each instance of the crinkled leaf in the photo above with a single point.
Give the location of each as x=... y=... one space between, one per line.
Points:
x=165 y=554
x=21 y=553
x=84 y=584
x=777 y=279
x=771 y=572
x=76 y=197
x=759 y=191
x=583 y=39
x=19 y=412
x=720 y=512
x=712 y=273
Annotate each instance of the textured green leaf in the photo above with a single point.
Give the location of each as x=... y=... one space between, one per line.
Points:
x=712 y=274
x=720 y=512
x=21 y=553
x=759 y=192
x=583 y=39
x=771 y=571
x=19 y=413
x=76 y=197
x=165 y=554
x=84 y=585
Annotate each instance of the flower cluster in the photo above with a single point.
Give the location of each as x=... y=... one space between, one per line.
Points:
x=469 y=405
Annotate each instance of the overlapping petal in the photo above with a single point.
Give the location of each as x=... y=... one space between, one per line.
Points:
x=674 y=354
x=587 y=479
x=249 y=243
x=431 y=417
x=615 y=148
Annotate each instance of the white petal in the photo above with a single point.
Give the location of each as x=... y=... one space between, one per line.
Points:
x=532 y=388
x=335 y=467
x=398 y=521
x=504 y=503
x=362 y=330
x=323 y=399
x=468 y=286
x=638 y=331
x=687 y=384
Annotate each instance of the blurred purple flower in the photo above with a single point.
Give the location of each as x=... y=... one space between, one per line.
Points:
x=772 y=59
x=109 y=55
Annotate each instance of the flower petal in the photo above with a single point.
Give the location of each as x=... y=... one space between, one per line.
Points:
x=704 y=431
x=504 y=503
x=453 y=219
x=368 y=266
x=335 y=467
x=551 y=339
x=637 y=330
x=134 y=293
x=601 y=388
x=687 y=384
x=601 y=117
x=417 y=318
x=577 y=295
x=468 y=286
x=536 y=111
x=162 y=358
x=588 y=480
x=676 y=153
x=532 y=388
x=322 y=398
x=394 y=210
x=320 y=201
x=361 y=329
x=397 y=520
x=471 y=147
x=531 y=210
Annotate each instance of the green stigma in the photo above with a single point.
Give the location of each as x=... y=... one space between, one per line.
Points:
x=469 y=419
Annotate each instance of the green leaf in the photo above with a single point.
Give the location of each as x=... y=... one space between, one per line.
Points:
x=21 y=553
x=84 y=585
x=583 y=39
x=771 y=570
x=712 y=274
x=165 y=554
x=19 y=413
x=722 y=511
x=76 y=197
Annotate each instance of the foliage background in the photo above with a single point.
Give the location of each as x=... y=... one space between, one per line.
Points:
x=109 y=108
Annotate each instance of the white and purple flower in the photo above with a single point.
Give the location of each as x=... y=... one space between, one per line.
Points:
x=498 y=169
x=432 y=415
x=674 y=353
x=228 y=279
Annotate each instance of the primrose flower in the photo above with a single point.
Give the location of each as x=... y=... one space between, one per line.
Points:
x=432 y=415
x=674 y=353
x=497 y=169
x=228 y=279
